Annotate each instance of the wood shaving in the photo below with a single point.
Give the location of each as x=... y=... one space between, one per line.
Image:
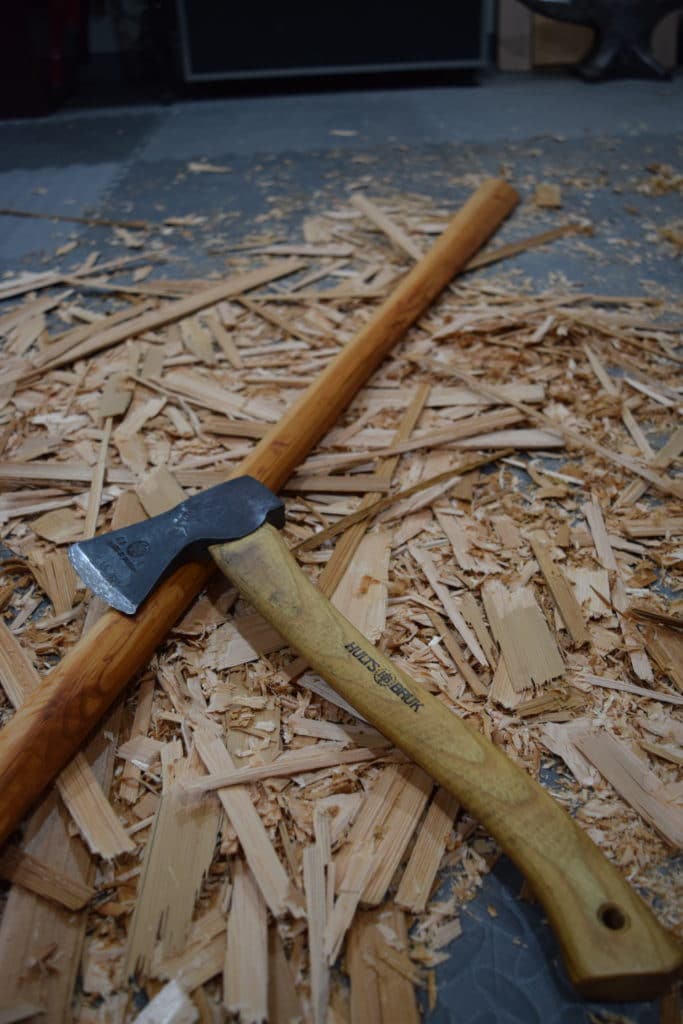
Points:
x=530 y=583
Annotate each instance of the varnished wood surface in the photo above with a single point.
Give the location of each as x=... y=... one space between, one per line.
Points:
x=53 y=723
x=613 y=945
x=320 y=406
x=50 y=727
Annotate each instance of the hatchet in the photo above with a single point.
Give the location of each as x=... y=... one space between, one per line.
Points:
x=626 y=951
x=49 y=727
x=613 y=945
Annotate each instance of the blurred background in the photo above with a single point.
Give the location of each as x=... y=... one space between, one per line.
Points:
x=188 y=133
x=77 y=53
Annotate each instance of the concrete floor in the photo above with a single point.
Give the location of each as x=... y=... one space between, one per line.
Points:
x=308 y=149
x=292 y=155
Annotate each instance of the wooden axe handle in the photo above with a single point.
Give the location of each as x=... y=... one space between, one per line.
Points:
x=613 y=945
x=51 y=726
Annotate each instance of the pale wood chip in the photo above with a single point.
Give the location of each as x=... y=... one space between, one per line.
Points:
x=548 y=196
x=361 y=594
x=159 y=491
x=246 y=965
x=419 y=876
x=563 y=596
x=634 y=782
x=21 y=868
x=171 y=1005
x=316 y=864
x=529 y=649
x=55 y=575
x=178 y=854
x=258 y=850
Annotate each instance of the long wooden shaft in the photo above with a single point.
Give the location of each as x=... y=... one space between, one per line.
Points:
x=50 y=727
x=320 y=406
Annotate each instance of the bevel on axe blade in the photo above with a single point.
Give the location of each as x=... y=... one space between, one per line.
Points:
x=124 y=566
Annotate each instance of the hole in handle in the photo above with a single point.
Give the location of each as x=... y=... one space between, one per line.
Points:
x=612 y=917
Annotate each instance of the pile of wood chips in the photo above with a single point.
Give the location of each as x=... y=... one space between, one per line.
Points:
x=514 y=464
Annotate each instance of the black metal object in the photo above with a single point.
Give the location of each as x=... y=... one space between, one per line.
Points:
x=623 y=32
x=124 y=566
x=221 y=41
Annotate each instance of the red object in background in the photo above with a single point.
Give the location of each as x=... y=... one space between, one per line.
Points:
x=40 y=44
x=65 y=38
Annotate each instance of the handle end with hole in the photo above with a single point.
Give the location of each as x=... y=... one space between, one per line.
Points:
x=624 y=955
x=613 y=945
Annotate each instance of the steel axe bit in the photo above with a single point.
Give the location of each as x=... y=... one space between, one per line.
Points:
x=613 y=945
x=124 y=566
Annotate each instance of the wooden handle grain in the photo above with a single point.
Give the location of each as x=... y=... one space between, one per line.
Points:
x=49 y=728
x=614 y=947
x=319 y=407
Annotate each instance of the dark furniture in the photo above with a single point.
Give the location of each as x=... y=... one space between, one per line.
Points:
x=222 y=40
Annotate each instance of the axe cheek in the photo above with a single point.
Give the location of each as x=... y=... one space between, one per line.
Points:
x=124 y=566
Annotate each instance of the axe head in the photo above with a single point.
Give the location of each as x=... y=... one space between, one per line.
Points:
x=124 y=566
